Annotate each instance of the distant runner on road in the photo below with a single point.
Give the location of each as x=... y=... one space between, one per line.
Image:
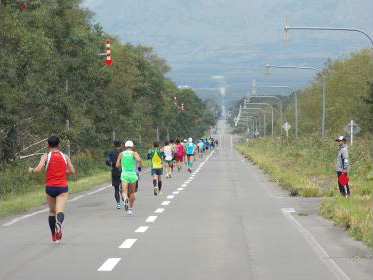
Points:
x=179 y=154
x=127 y=160
x=201 y=147
x=155 y=155
x=190 y=147
x=168 y=157
x=115 y=172
x=57 y=167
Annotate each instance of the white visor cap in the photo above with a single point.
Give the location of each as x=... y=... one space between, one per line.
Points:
x=128 y=144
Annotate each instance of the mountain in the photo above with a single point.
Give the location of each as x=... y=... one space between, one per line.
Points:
x=201 y=38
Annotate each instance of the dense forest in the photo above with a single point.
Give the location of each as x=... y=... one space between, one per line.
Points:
x=54 y=80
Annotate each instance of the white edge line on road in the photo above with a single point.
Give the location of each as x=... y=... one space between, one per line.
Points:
x=109 y=264
x=98 y=190
x=170 y=196
x=151 y=219
x=319 y=250
x=25 y=217
x=141 y=229
x=77 y=197
x=46 y=209
x=159 y=210
x=127 y=244
x=165 y=203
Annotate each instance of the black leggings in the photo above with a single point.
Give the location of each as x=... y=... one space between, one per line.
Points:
x=342 y=189
x=116 y=193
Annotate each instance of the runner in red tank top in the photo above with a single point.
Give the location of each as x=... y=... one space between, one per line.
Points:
x=57 y=166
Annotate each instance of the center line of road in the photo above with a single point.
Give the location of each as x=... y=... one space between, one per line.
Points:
x=109 y=264
x=159 y=210
x=165 y=203
x=170 y=196
x=180 y=189
x=127 y=244
x=142 y=229
x=184 y=185
x=176 y=192
x=151 y=219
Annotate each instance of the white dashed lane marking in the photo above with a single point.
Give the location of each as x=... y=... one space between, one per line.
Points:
x=109 y=264
x=151 y=219
x=127 y=244
x=141 y=229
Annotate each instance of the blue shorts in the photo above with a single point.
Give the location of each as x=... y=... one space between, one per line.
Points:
x=56 y=191
x=157 y=171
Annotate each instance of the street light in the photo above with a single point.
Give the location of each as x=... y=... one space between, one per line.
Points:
x=251 y=118
x=323 y=87
x=264 y=117
x=271 y=110
x=254 y=121
x=278 y=99
x=295 y=104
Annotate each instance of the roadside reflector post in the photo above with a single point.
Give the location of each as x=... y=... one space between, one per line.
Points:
x=108 y=53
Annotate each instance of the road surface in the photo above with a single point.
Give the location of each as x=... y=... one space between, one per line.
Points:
x=226 y=221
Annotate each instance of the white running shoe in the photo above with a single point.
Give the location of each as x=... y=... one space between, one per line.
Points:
x=129 y=212
x=126 y=204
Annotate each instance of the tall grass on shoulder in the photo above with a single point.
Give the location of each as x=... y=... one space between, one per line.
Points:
x=306 y=167
x=353 y=214
x=285 y=177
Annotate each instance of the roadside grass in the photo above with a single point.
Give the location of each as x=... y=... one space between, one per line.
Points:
x=31 y=194
x=23 y=202
x=353 y=214
x=305 y=168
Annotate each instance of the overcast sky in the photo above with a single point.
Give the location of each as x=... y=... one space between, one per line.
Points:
x=235 y=38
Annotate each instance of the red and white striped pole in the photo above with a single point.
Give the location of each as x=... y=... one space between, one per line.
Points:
x=108 y=53
x=182 y=107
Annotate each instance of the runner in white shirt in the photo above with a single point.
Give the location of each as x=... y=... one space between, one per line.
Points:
x=168 y=157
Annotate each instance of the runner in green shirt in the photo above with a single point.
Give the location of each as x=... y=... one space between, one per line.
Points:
x=127 y=160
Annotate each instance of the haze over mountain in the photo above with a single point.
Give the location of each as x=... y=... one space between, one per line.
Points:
x=201 y=38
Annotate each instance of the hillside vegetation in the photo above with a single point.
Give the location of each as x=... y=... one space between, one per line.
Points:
x=54 y=80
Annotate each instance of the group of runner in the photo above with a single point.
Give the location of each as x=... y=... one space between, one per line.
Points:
x=125 y=168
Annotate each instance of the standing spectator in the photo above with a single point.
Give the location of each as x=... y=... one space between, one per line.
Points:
x=115 y=172
x=342 y=164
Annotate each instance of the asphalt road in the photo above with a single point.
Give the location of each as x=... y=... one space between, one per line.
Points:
x=226 y=221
